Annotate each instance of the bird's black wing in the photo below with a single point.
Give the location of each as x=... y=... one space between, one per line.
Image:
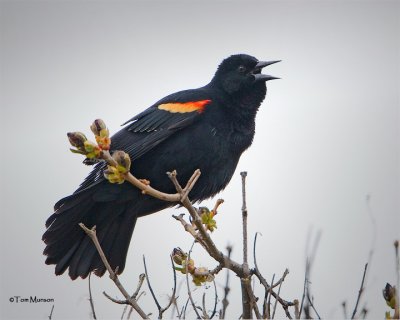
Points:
x=151 y=127
x=157 y=123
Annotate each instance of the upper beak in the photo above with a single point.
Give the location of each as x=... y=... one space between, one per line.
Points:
x=258 y=76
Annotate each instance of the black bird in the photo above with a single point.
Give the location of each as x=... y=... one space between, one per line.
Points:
x=206 y=128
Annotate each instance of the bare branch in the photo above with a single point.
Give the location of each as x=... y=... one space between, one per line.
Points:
x=225 y=301
x=296 y=309
x=360 y=291
x=184 y=309
x=115 y=300
x=397 y=266
x=216 y=270
x=311 y=302
x=145 y=187
x=113 y=275
x=215 y=300
x=254 y=250
x=149 y=285
x=91 y=298
x=269 y=296
x=279 y=291
x=217 y=204
x=304 y=285
x=172 y=299
x=190 y=184
x=245 y=279
x=51 y=312
x=188 y=286
x=203 y=303
x=244 y=217
x=344 y=306
x=142 y=276
x=188 y=227
x=253 y=301
x=285 y=304
x=309 y=262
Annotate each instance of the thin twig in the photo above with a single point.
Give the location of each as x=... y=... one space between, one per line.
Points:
x=225 y=301
x=113 y=274
x=115 y=300
x=397 y=268
x=160 y=309
x=374 y=227
x=296 y=309
x=253 y=301
x=244 y=217
x=215 y=300
x=216 y=270
x=360 y=291
x=268 y=288
x=344 y=306
x=184 y=310
x=245 y=279
x=91 y=298
x=364 y=312
x=254 y=250
x=269 y=297
x=309 y=262
x=142 y=276
x=149 y=285
x=276 y=301
x=135 y=295
x=190 y=184
x=175 y=301
x=189 y=228
x=187 y=283
x=311 y=302
x=305 y=285
x=173 y=297
x=51 y=312
x=130 y=313
x=217 y=204
x=285 y=304
x=285 y=273
x=203 y=303
x=265 y=305
x=124 y=311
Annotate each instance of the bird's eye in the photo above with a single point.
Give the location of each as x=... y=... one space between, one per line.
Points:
x=242 y=69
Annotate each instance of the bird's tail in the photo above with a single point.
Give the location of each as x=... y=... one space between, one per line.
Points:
x=68 y=246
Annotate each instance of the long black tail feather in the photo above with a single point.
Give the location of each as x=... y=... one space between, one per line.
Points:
x=67 y=245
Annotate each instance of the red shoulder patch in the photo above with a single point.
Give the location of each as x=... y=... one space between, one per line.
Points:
x=183 y=107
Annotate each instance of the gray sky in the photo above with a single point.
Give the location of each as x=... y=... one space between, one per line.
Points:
x=327 y=138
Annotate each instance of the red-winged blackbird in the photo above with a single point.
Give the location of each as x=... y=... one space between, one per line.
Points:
x=206 y=128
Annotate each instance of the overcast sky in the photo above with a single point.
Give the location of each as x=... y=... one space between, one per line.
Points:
x=325 y=156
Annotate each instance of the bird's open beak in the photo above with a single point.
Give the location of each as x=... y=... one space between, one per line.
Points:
x=258 y=76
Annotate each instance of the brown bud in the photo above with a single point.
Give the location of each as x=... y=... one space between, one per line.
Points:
x=77 y=140
x=97 y=126
x=389 y=294
x=123 y=160
x=178 y=256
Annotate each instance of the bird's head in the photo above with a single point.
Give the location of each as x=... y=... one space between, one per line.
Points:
x=241 y=72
